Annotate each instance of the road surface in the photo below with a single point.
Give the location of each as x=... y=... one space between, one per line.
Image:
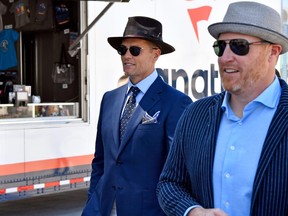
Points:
x=68 y=203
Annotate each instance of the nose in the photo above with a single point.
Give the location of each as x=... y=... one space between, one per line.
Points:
x=228 y=54
x=127 y=54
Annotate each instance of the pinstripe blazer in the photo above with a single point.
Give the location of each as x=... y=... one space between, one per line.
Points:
x=186 y=179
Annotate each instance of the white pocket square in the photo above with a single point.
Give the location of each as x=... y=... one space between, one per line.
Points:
x=147 y=119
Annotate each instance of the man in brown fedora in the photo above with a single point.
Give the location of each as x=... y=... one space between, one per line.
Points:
x=230 y=151
x=135 y=127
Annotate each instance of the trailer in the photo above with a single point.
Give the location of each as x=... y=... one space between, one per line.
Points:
x=48 y=114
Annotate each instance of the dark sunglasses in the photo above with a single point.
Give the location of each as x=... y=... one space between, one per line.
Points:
x=134 y=50
x=238 y=46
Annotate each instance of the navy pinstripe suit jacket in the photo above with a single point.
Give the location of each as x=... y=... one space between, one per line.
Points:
x=186 y=179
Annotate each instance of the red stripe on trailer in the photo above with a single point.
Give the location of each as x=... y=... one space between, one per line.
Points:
x=76 y=180
x=40 y=165
x=52 y=184
x=2 y=191
x=25 y=188
x=45 y=185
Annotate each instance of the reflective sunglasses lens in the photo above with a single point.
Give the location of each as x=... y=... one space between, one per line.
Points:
x=134 y=50
x=219 y=47
x=122 y=50
x=239 y=46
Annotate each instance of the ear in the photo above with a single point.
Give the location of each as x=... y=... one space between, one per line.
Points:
x=157 y=54
x=276 y=50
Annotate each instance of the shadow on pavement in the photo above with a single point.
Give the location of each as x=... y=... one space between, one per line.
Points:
x=68 y=203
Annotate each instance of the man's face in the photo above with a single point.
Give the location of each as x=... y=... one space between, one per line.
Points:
x=246 y=74
x=139 y=67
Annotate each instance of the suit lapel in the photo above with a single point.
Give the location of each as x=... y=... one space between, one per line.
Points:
x=151 y=97
x=278 y=128
x=215 y=116
x=117 y=108
x=132 y=124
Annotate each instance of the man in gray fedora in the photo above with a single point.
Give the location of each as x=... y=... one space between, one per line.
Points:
x=135 y=127
x=229 y=155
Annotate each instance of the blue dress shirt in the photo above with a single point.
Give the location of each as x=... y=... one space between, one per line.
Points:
x=143 y=86
x=238 y=150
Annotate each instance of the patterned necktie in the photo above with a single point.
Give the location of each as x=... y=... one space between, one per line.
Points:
x=128 y=110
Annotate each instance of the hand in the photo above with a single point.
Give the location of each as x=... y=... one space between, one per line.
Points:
x=206 y=212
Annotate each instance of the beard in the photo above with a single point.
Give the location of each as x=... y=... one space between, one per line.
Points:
x=235 y=86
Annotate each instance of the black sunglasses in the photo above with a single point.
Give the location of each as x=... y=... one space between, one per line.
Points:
x=238 y=46
x=134 y=50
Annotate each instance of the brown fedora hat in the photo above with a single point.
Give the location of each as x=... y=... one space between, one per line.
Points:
x=143 y=28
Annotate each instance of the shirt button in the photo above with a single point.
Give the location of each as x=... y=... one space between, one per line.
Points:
x=227 y=204
x=239 y=123
x=232 y=148
x=227 y=175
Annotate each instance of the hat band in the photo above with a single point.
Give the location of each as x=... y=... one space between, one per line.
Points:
x=132 y=32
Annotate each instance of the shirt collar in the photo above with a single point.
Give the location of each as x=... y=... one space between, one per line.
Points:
x=269 y=97
x=144 y=84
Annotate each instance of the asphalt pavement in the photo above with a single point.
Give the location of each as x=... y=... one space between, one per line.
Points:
x=68 y=203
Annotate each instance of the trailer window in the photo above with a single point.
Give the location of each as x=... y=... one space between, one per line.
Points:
x=39 y=79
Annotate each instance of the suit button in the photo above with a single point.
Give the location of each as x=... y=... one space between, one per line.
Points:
x=120 y=188
x=118 y=162
x=114 y=187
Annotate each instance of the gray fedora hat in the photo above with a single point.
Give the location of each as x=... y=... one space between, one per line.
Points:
x=143 y=28
x=253 y=19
